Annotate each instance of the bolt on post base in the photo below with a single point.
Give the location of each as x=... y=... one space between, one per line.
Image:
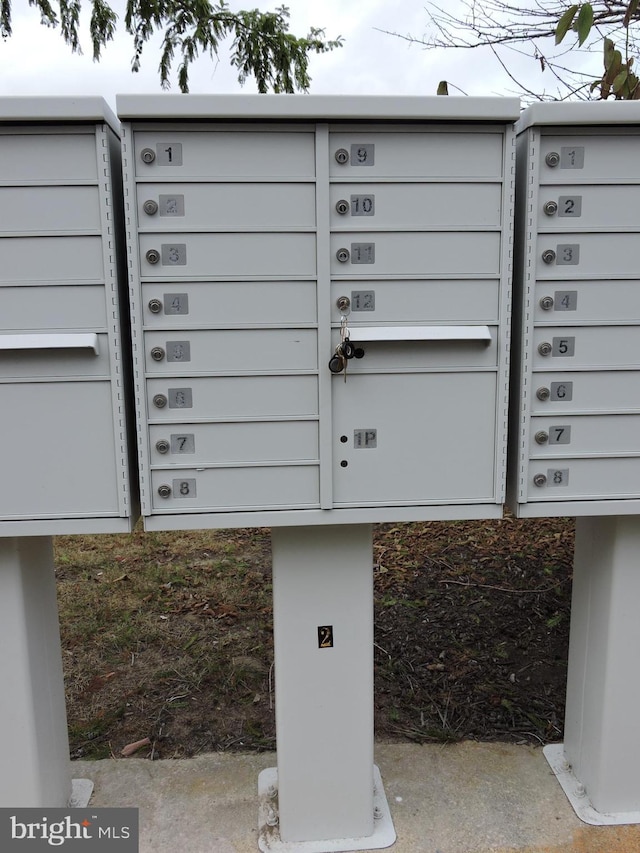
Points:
x=577 y=794
x=269 y=841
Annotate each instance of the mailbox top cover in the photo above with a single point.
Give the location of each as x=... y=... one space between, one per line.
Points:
x=317 y=107
x=37 y=109
x=580 y=112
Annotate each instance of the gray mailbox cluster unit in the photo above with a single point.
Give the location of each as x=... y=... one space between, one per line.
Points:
x=62 y=359
x=262 y=232
x=576 y=363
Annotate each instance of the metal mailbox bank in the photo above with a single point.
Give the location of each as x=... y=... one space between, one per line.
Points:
x=575 y=438
x=320 y=309
x=64 y=462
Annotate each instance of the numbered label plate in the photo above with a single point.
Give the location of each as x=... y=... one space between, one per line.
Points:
x=178 y=351
x=572 y=157
x=174 y=255
x=565 y=300
x=363 y=300
x=568 y=254
x=570 y=205
x=363 y=205
x=169 y=154
x=171 y=205
x=183 y=443
x=561 y=391
x=176 y=303
x=184 y=488
x=563 y=347
x=363 y=154
x=180 y=398
x=365 y=438
x=557 y=477
x=363 y=253
x=560 y=434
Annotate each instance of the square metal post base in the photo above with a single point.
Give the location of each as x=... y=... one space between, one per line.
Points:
x=577 y=795
x=269 y=841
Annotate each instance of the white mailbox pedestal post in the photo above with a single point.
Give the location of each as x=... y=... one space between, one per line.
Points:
x=64 y=461
x=575 y=441
x=273 y=242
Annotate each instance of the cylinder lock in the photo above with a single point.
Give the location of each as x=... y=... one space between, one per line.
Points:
x=546 y=303
x=548 y=256
x=157 y=353
x=150 y=207
x=552 y=159
x=159 y=401
x=540 y=480
x=342 y=206
x=164 y=490
x=543 y=394
x=342 y=156
x=541 y=437
x=343 y=303
x=153 y=256
x=551 y=208
x=147 y=155
x=162 y=445
x=155 y=306
x=544 y=348
x=343 y=255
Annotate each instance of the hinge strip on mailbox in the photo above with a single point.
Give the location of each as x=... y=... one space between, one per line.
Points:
x=73 y=341
x=419 y=333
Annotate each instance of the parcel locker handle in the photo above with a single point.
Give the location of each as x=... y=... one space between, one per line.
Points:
x=419 y=333
x=24 y=342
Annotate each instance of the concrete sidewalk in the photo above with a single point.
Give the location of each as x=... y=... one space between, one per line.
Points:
x=467 y=798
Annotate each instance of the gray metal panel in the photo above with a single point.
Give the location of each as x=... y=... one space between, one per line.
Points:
x=316 y=107
x=594 y=255
x=51 y=307
x=421 y=253
x=50 y=208
x=611 y=207
x=255 y=351
x=428 y=446
x=227 y=206
x=223 y=255
x=420 y=300
x=595 y=391
x=587 y=479
x=420 y=155
x=572 y=435
x=598 y=301
x=50 y=430
x=579 y=113
x=257 y=441
x=39 y=109
x=238 y=488
x=30 y=158
x=595 y=347
x=229 y=303
x=231 y=398
x=226 y=155
x=417 y=206
x=606 y=157
x=55 y=259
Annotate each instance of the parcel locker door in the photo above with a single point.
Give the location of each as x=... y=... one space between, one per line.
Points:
x=414 y=438
x=59 y=455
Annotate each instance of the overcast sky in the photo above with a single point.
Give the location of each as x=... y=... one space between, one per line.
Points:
x=36 y=60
